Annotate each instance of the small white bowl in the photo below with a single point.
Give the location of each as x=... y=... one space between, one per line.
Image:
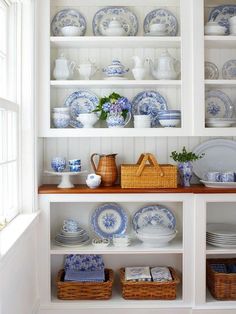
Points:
x=71 y=31
x=169 y=123
x=213 y=28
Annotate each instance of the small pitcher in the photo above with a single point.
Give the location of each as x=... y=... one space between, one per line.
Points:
x=106 y=168
x=64 y=69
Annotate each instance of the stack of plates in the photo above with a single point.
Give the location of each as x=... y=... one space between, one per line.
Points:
x=221 y=235
x=220 y=122
x=70 y=239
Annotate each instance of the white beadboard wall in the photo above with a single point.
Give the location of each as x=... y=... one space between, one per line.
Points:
x=128 y=150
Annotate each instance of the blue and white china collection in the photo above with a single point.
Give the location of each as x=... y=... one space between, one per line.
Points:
x=59 y=164
x=114 y=21
x=115 y=70
x=218 y=105
x=153 y=225
x=186 y=172
x=222 y=15
x=60 y=117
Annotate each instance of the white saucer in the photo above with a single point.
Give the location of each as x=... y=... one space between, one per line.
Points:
x=112 y=78
x=219 y=185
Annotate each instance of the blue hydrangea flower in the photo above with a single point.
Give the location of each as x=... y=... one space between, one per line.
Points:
x=106 y=107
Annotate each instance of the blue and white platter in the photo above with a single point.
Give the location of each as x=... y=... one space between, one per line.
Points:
x=81 y=101
x=161 y=16
x=68 y=17
x=221 y=15
x=149 y=103
x=109 y=220
x=153 y=215
x=127 y=19
x=218 y=105
x=229 y=70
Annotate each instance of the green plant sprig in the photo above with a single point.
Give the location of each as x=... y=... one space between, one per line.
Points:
x=111 y=98
x=185 y=156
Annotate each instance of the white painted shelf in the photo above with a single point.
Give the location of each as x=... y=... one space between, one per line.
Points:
x=174 y=247
x=111 y=42
x=115 y=83
x=118 y=302
x=220 y=83
x=212 y=303
x=105 y=132
x=220 y=42
x=210 y=250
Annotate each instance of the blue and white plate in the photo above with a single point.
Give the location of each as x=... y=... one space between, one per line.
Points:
x=127 y=19
x=67 y=17
x=161 y=16
x=211 y=71
x=229 y=70
x=109 y=220
x=218 y=105
x=153 y=215
x=221 y=15
x=149 y=103
x=82 y=101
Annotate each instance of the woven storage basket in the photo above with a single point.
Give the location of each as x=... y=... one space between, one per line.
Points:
x=153 y=175
x=145 y=290
x=221 y=285
x=67 y=290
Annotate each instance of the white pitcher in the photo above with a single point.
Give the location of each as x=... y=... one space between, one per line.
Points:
x=64 y=69
x=139 y=71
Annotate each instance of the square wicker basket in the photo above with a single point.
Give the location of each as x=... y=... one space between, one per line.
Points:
x=152 y=175
x=145 y=290
x=71 y=290
x=221 y=285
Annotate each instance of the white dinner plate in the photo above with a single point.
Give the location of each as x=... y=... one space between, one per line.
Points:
x=220 y=155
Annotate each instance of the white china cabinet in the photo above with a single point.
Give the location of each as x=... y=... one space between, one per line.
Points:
x=188 y=252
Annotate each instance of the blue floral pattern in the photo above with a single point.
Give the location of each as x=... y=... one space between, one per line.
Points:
x=149 y=103
x=161 y=16
x=221 y=15
x=83 y=262
x=153 y=215
x=103 y=17
x=186 y=172
x=108 y=220
x=67 y=17
x=218 y=105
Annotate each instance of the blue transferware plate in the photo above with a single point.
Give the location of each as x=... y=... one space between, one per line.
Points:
x=218 y=105
x=108 y=220
x=83 y=262
x=153 y=215
x=221 y=15
x=161 y=16
x=82 y=101
x=67 y=17
x=229 y=70
x=127 y=19
x=149 y=103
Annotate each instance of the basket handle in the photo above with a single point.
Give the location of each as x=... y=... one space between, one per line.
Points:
x=152 y=160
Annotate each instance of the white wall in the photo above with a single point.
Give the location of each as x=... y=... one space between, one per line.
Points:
x=18 y=276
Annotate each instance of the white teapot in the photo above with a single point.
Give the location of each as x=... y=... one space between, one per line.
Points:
x=115 y=29
x=87 y=70
x=165 y=67
x=64 y=69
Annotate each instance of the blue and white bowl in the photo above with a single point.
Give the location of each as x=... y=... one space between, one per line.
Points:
x=75 y=168
x=115 y=69
x=169 y=113
x=60 y=117
x=170 y=122
x=58 y=164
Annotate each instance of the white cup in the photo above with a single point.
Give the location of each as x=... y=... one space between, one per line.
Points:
x=157 y=27
x=142 y=121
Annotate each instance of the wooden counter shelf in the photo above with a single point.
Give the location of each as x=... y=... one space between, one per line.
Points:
x=83 y=189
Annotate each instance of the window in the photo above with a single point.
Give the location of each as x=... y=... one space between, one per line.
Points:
x=9 y=112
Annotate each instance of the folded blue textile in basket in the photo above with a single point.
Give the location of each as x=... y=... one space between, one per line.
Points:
x=161 y=274
x=83 y=262
x=231 y=268
x=219 y=268
x=85 y=276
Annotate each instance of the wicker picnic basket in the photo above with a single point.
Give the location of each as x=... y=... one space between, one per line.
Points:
x=221 y=285
x=149 y=290
x=71 y=290
x=152 y=175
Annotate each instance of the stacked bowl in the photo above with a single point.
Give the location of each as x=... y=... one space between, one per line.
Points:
x=121 y=240
x=232 y=25
x=71 y=234
x=169 y=118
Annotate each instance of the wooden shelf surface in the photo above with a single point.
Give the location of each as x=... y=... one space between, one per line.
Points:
x=83 y=189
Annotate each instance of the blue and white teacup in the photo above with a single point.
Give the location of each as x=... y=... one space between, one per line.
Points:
x=227 y=176
x=75 y=168
x=73 y=162
x=213 y=176
x=58 y=164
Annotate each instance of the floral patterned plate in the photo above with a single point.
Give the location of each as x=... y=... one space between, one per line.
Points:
x=154 y=215
x=218 y=105
x=211 y=71
x=222 y=13
x=108 y=220
x=229 y=70
x=67 y=17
